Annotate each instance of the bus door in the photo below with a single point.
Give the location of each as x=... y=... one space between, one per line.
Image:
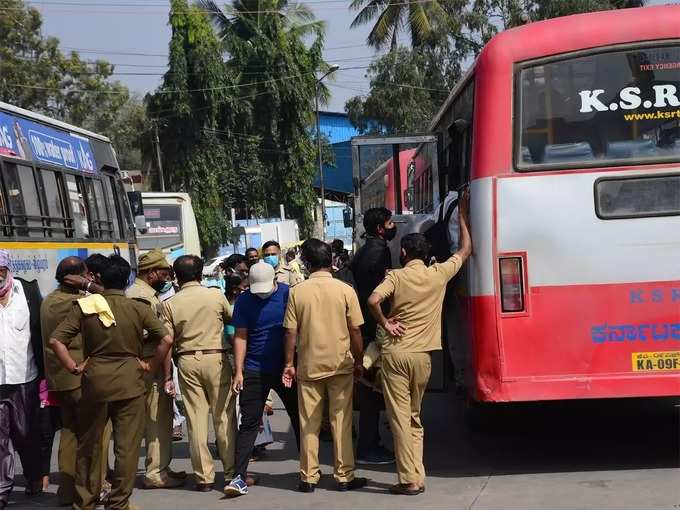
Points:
x=400 y=173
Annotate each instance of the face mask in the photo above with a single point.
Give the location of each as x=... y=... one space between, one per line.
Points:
x=402 y=260
x=265 y=296
x=390 y=233
x=272 y=260
x=166 y=288
x=159 y=285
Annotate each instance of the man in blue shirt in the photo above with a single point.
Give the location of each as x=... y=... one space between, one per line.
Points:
x=259 y=360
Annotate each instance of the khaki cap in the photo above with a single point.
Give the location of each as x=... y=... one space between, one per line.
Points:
x=155 y=259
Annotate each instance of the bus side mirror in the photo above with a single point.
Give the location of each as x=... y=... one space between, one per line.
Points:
x=137 y=210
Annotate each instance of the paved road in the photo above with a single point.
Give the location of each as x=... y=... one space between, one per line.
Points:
x=589 y=455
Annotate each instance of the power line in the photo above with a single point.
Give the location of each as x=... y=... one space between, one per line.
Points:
x=112 y=7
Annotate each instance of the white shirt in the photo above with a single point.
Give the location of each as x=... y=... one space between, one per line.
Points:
x=17 y=365
x=454 y=226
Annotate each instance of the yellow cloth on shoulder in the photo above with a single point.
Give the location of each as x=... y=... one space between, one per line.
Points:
x=95 y=304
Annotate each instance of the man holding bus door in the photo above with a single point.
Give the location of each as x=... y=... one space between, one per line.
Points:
x=413 y=326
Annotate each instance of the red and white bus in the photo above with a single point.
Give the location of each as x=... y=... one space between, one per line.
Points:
x=568 y=131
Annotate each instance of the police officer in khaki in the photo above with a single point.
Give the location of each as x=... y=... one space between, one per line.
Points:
x=413 y=328
x=64 y=385
x=153 y=278
x=324 y=315
x=196 y=315
x=112 y=328
x=271 y=254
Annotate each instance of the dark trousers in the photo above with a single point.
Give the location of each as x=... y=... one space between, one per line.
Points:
x=369 y=402
x=256 y=387
x=49 y=423
x=19 y=406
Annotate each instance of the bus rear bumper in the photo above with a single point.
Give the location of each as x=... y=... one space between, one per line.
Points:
x=577 y=387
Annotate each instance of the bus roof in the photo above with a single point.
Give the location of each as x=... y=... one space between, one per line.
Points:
x=572 y=33
x=177 y=195
x=51 y=122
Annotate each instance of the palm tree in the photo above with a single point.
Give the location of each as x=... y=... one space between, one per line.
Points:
x=393 y=16
x=245 y=18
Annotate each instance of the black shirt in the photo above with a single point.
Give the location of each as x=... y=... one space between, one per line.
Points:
x=369 y=266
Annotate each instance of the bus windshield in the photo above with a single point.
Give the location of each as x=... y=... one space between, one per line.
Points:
x=164 y=227
x=599 y=109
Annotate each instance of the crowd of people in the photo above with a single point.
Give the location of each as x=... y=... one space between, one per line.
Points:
x=104 y=360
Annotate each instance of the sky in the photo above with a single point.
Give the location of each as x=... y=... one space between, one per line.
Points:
x=134 y=34
x=114 y=30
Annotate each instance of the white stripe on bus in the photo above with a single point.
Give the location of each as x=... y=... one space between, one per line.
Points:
x=553 y=219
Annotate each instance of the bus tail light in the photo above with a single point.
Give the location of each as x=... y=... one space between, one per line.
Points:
x=512 y=284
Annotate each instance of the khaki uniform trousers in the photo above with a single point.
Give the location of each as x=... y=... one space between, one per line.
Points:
x=404 y=379
x=127 y=420
x=158 y=430
x=205 y=382
x=69 y=409
x=335 y=392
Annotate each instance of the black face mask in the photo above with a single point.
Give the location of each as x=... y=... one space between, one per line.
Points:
x=402 y=260
x=390 y=233
x=158 y=286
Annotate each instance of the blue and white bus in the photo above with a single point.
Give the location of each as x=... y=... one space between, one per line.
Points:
x=60 y=195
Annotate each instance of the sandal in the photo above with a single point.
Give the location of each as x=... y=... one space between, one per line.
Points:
x=404 y=490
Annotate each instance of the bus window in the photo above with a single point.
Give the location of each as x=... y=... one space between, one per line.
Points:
x=24 y=204
x=4 y=212
x=459 y=151
x=597 y=109
x=95 y=197
x=56 y=203
x=128 y=224
x=81 y=215
x=114 y=205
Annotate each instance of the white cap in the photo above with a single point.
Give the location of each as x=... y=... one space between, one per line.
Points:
x=261 y=278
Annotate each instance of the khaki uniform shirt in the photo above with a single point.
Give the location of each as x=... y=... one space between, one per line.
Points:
x=113 y=371
x=416 y=294
x=197 y=316
x=321 y=309
x=285 y=274
x=142 y=291
x=54 y=309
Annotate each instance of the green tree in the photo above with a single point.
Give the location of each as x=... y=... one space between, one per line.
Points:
x=407 y=88
x=488 y=17
x=193 y=110
x=36 y=75
x=275 y=50
x=392 y=16
x=129 y=131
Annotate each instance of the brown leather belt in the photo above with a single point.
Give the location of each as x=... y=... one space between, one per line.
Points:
x=203 y=351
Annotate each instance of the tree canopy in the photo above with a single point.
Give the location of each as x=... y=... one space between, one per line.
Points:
x=409 y=84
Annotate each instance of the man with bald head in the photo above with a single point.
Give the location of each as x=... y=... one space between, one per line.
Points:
x=73 y=277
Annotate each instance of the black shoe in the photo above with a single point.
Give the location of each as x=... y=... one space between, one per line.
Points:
x=377 y=456
x=306 y=487
x=357 y=483
x=204 y=487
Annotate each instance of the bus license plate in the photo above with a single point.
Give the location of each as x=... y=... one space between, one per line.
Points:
x=656 y=361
